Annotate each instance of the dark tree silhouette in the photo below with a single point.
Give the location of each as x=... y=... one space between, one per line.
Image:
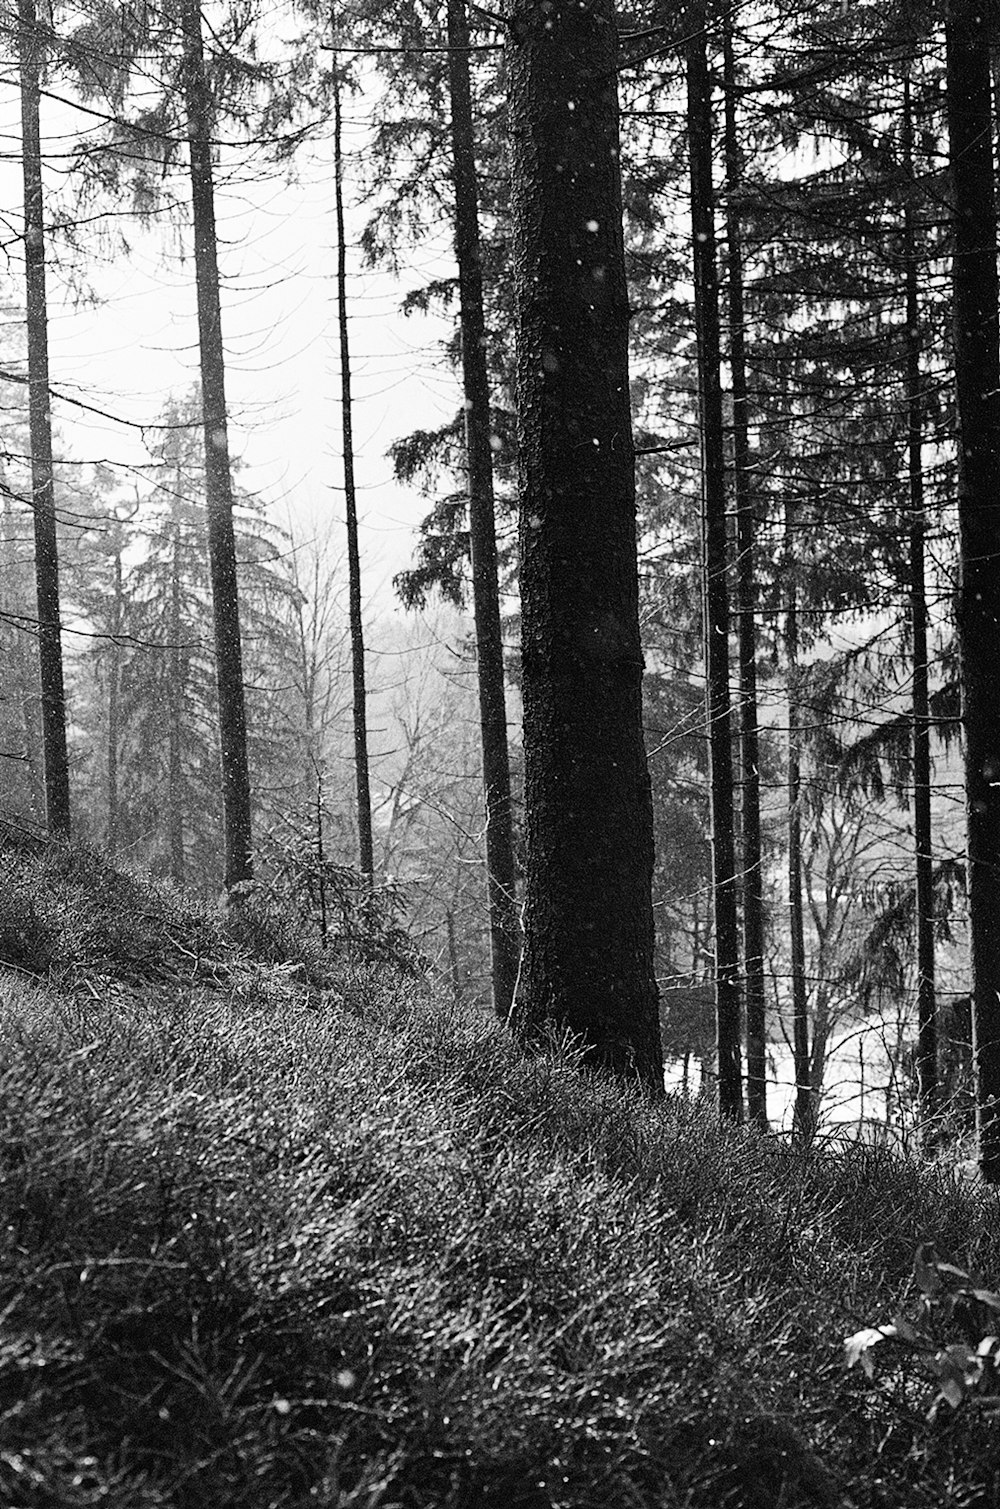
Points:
x=588 y=951
x=715 y=565
x=804 y=1119
x=977 y=379
x=923 y=917
x=57 y=808
x=366 y=852
x=218 y=477
x=482 y=531
x=746 y=594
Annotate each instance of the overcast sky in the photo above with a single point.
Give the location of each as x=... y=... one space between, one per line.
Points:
x=125 y=353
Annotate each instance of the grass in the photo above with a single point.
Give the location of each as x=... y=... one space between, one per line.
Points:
x=265 y=1242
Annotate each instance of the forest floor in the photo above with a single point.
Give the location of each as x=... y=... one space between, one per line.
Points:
x=286 y=1231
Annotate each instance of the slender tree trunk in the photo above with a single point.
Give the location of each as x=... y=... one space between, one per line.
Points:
x=803 y=1115
x=309 y=675
x=501 y=882
x=920 y=711
x=820 y=1045
x=715 y=566
x=31 y=720
x=218 y=477
x=114 y=695
x=977 y=376
x=26 y=680
x=454 y=971
x=366 y=853
x=321 y=858
x=57 y=808
x=746 y=594
x=588 y=955
x=175 y=713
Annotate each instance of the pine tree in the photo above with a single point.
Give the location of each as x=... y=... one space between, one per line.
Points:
x=746 y=590
x=921 y=753
x=501 y=881
x=152 y=696
x=57 y=796
x=180 y=97
x=588 y=952
x=977 y=382
x=361 y=774
x=218 y=476
x=21 y=750
x=716 y=569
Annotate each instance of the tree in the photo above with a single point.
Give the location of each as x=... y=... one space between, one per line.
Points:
x=482 y=530
x=746 y=590
x=218 y=477
x=363 y=794
x=431 y=807
x=145 y=681
x=588 y=953
x=167 y=799
x=21 y=756
x=923 y=853
x=715 y=566
x=835 y=265
x=57 y=803
x=151 y=74
x=977 y=385
x=97 y=582
x=804 y=1103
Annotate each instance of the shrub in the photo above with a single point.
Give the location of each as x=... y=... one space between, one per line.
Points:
x=951 y=1335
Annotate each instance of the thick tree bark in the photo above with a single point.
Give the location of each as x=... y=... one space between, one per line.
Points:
x=977 y=377
x=500 y=873
x=588 y=955
x=57 y=805
x=715 y=564
x=218 y=477
x=920 y=709
x=366 y=853
x=746 y=595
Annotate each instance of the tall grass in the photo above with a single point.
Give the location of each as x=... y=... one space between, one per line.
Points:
x=264 y=1249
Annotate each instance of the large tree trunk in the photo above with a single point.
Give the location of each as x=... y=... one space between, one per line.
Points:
x=218 y=478
x=366 y=853
x=57 y=810
x=500 y=874
x=588 y=955
x=977 y=376
x=715 y=560
x=920 y=709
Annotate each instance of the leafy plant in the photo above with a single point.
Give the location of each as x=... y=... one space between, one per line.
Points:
x=950 y=1301
x=312 y=897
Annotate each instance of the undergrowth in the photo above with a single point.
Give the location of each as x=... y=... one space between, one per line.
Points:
x=290 y=1245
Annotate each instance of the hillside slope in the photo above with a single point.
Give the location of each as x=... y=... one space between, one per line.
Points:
x=287 y=1233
